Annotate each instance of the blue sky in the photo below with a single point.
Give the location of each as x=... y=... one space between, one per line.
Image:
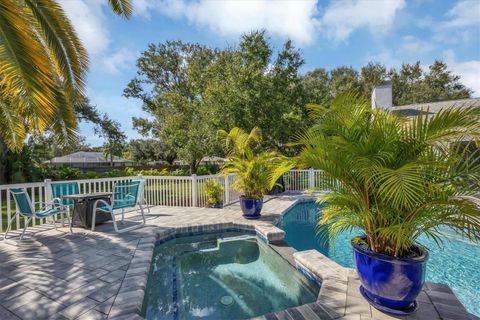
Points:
x=329 y=34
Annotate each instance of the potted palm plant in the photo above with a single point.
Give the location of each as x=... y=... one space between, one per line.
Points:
x=213 y=193
x=253 y=170
x=395 y=179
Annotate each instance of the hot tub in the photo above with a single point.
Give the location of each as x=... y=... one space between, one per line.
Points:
x=229 y=275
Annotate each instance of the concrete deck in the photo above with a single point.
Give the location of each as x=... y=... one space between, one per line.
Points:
x=102 y=274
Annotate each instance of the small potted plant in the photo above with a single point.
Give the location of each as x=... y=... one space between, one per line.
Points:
x=395 y=179
x=253 y=170
x=213 y=193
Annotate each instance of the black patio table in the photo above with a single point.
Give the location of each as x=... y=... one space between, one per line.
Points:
x=83 y=208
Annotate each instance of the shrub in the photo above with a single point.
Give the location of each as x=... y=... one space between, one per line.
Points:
x=213 y=192
x=90 y=175
x=66 y=173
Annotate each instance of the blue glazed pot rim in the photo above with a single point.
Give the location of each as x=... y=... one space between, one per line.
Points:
x=246 y=198
x=380 y=256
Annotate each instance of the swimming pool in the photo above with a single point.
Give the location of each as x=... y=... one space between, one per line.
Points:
x=230 y=275
x=457 y=263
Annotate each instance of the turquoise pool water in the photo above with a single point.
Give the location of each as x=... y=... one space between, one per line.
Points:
x=221 y=276
x=457 y=263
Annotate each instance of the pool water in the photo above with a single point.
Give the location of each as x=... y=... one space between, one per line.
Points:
x=222 y=276
x=456 y=263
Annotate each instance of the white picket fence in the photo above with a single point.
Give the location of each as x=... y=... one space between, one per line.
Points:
x=186 y=191
x=176 y=191
x=301 y=180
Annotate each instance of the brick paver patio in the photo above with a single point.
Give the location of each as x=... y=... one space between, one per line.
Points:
x=102 y=274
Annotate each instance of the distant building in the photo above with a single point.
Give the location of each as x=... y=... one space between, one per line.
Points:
x=214 y=160
x=382 y=99
x=84 y=159
x=382 y=96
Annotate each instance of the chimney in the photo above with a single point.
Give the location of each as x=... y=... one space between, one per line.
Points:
x=382 y=96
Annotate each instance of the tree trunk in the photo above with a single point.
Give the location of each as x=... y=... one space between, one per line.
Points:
x=193 y=166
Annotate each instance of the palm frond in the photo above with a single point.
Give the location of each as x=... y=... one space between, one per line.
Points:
x=11 y=126
x=121 y=7
x=67 y=53
x=42 y=63
x=394 y=178
x=27 y=80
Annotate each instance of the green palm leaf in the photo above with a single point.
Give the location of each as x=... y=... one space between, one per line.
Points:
x=121 y=7
x=394 y=178
x=43 y=66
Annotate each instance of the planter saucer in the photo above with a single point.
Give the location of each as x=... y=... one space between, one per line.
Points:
x=402 y=312
x=249 y=217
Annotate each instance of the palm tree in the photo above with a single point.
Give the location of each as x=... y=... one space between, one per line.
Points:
x=253 y=170
x=395 y=178
x=42 y=68
x=112 y=148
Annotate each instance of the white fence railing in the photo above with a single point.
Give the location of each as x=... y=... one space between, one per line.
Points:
x=301 y=180
x=176 y=191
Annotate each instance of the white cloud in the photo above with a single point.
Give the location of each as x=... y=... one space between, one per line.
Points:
x=414 y=46
x=292 y=19
x=459 y=26
x=143 y=7
x=341 y=18
x=469 y=71
x=465 y=13
x=385 y=57
x=298 y=20
x=120 y=60
x=88 y=21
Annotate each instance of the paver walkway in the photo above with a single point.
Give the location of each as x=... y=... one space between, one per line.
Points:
x=97 y=275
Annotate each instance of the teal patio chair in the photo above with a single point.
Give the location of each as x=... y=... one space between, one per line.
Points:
x=125 y=195
x=141 y=194
x=60 y=189
x=25 y=208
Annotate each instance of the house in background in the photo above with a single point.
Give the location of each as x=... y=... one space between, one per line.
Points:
x=209 y=160
x=84 y=159
x=382 y=98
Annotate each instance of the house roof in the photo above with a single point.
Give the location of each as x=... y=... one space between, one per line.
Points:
x=212 y=159
x=412 y=110
x=86 y=157
x=204 y=159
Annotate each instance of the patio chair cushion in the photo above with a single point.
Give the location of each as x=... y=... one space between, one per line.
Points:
x=47 y=213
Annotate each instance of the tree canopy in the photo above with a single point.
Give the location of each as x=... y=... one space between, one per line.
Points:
x=411 y=84
x=143 y=150
x=190 y=91
x=171 y=82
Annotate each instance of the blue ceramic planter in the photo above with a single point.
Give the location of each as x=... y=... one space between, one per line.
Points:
x=216 y=205
x=390 y=284
x=251 y=207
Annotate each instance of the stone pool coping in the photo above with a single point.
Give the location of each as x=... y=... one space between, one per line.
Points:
x=338 y=296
